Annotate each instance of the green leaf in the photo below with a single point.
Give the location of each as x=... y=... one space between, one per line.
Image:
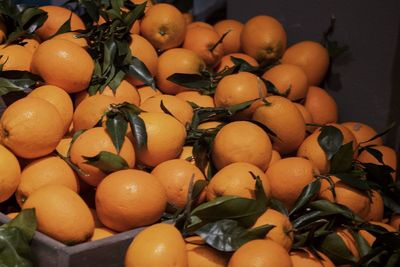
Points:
x=334 y=208
x=138 y=128
x=278 y=205
x=388 y=129
x=227 y=235
x=330 y=139
x=243 y=65
x=374 y=152
x=189 y=80
x=107 y=162
x=140 y=71
x=12 y=85
x=116 y=127
x=335 y=248
x=26 y=222
x=353 y=179
x=241 y=106
x=32 y=19
x=342 y=160
x=271 y=88
x=135 y=14
x=362 y=244
x=308 y=193
x=110 y=51
x=310 y=217
x=65 y=27
x=92 y=9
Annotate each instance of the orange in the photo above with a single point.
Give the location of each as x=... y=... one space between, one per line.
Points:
x=195 y=24
x=290 y=79
x=157 y=245
x=363 y=133
x=226 y=61
x=275 y=156
x=10 y=173
x=229 y=146
x=187 y=154
x=90 y=111
x=61 y=214
x=204 y=42
x=209 y=125
x=125 y=92
x=12 y=215
x=30 y=43
x=282 y=233
x=146 y=92
x=59 y=98
x=395 y=221
x=101 y=233
x=143 y=50
x=389 y=158
x=31 y=127
x=15 y=57
x=63 y=146
x=288 y=177
x=200 y=254
x=163 y=25
x=50 y=170
x=72 y=37
x=306 y=116
x=237 y=88
x=197 y=98
x=175 y=176
x=321 y=105
x=232 y=41
x=236 y=180
x=180 y=109
x=355 y=199
x=312 y=57
x=130 y=198
x=3 y=31
x=178 y=60
x=165 y=138
x=92 y=142
x=260 y=253
x=349 y=241
x=263 y=38
x=64 y=64
x=57 y=16
x=283 y=118
x=188 y=18
x=377 y=207
x=304 y=258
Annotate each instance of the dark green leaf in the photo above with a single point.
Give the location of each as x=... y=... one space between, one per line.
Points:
x=330 y=139
x=65 y=27
x=243 y=65
x=394 y=260
x=165 y=109
x=138 y=128
x=353 y=179
x=278 y=205
x=140 y=71
x=12 y=85
x=32 y=18
x=271 y=88
x=107 y=162
x=380 y=174
x=26 y=222
x=92 y=9
x=198 y=188
x=116 y=128
x=135 y=14
x=374 y=152
x=241 y=106
x=116 y=81
x=310 y=217
x=391 y=203
x=335 y=248
x=14 y=248
x=381 y=134
x=110 y=50
x=334 y=208
x=308 y=193
x=342 y=160
x=194 y=81
x=362 y=244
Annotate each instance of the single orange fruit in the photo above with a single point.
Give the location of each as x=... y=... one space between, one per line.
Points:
x=197 y=98
x=282 y=233
x=101 y=233
x=64 y=64
x=321 y=105
x=147 y=92
x=288 y=79
x=199 y=254
x=72 y=37
x=283 y=118
x=92 y=142
x=165 y=138
x=275 y=156
x=303 y=257
x=209 y=125
x=15 y=57
x=188 y=18
x=175 y=175
x=61 y=214
x=31 y=127
x=57 y=16
x=377 y=207
x=288 y=177
x=363 y=133
x=178 y=60
x=163 y=25
x=232 y=41
x=63 y=146
x=389 y=158
x=130 y=198
x=263 y=38
x=226 y=61
x=308 y=119
x=257 y=253
x=229 y=146
x=312 y=57
x=236 y=179
x=187 y=154
x=10 y=173
x=195 y=24
x=395 y=221
x=158 y=245
x=31 y=43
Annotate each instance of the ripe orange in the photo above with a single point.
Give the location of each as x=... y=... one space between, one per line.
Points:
x=157 y=245
x=282 y=233
x=197 y=98
x=377 y=207
x=188 y=18
x=72 y=37
x=130 y=198
x=61 y=214
x=59 y=98
x=263 y=38
x=257 y=253
x=31 y=44
x=312 y=57
x=10 y=173
x=31 y=127
x=195 y=24
x=321 y=105
x=395 y=221
x=238 y=88
x=356 y=200
x=229 y=146
x=200 y=254
x=283 y=118
x=178 y=60
x=349 y=241
x=101 y=232
x=363 y=132
x=232 y=41
x=3 y=31
x=146 y=92
x=92 y=142
x=179 y=108
x=15 y=57
x=50 y=170
x=64 y=64
x=175 y=176
x=389 y=157
x=275 y=156
x=226 y=61
x=288 y=78
x=165 y=138
x=308 y=119
x=57 y=16
x=63 y=146
x=236 y=180
x=304 y=258
x=187 y=154
x=163 y=26
x=288 y=177
x=209 y=125
x=203 y=41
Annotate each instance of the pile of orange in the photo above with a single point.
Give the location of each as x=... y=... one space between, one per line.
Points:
x=44 y=153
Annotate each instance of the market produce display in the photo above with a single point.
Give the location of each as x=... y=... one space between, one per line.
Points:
x=220 y=140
